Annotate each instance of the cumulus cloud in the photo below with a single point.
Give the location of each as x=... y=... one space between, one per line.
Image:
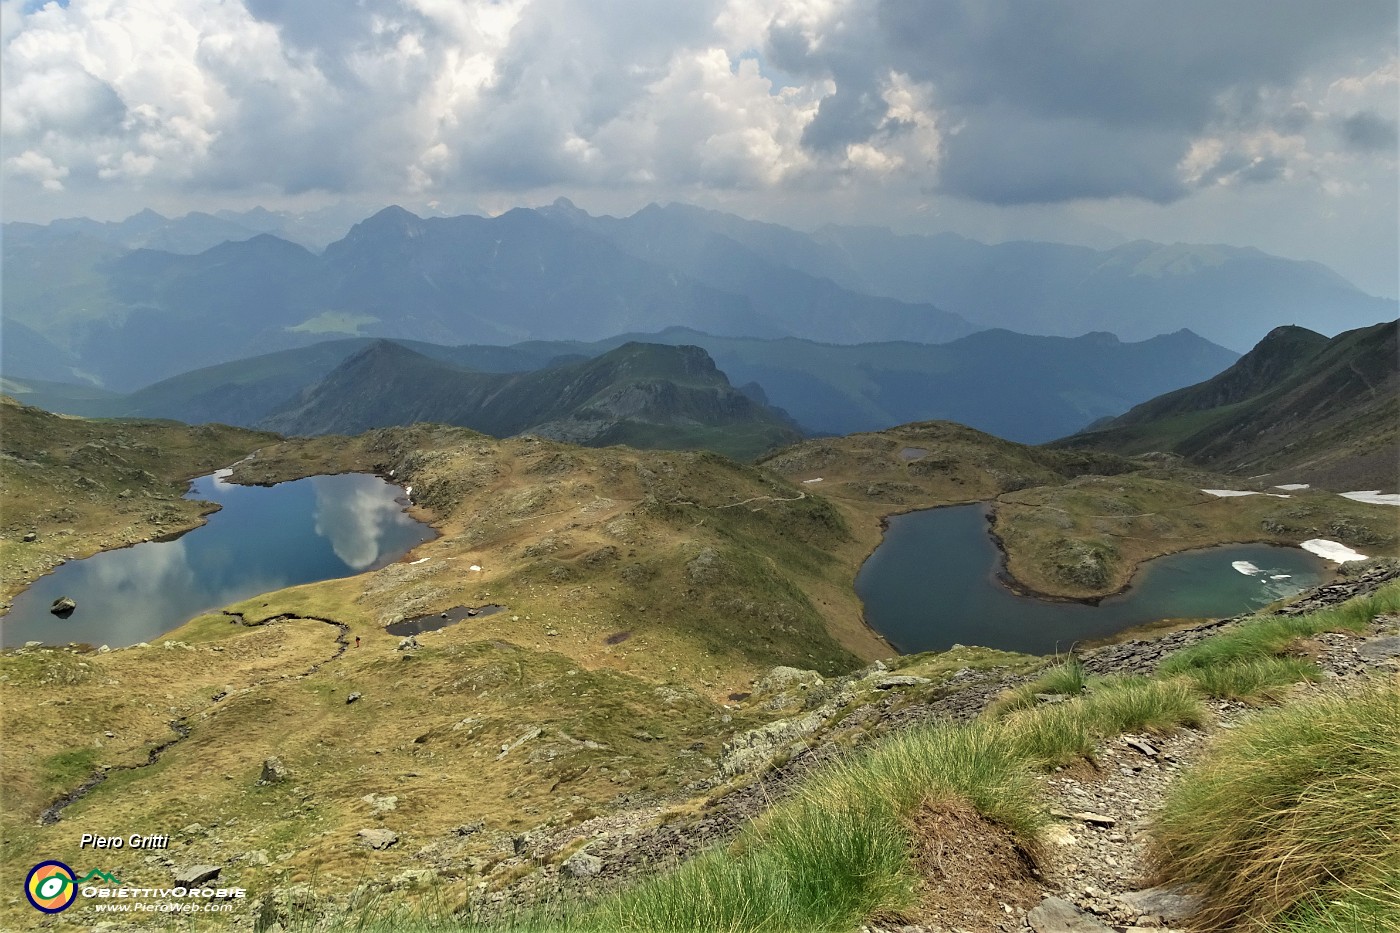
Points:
x=884 y=101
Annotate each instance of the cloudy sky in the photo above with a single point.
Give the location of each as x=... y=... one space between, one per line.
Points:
x=1255 y=122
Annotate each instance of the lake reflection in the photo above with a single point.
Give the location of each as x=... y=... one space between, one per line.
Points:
x=263 y=539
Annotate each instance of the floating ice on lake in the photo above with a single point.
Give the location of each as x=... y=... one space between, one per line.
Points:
x=1246 y=568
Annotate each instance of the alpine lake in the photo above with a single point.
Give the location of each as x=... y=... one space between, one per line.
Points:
x=936 y=581
x=263 y=538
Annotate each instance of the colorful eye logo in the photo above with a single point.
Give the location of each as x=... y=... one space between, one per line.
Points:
x=51 y=887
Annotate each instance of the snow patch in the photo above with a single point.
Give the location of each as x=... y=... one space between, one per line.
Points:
x=1292 y=487
x=1246 y=568
x=1374 y=497
x=817 y=480
x=1224 y=493
x=418 y=561
x=476 y=567
x=1331 y=550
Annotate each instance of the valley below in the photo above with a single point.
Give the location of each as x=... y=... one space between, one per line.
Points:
x=651 y=601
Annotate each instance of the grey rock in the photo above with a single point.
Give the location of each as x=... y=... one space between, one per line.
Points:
x=748 y=750
x=63 y=604
x=1168 y=903
x=353 y=697
x=781 y=679
x=378 y=838
x=1060 y=916
x=900 y=680
x=1144 y=747
x=196 y=874
x=1379 y=649
x=273 y=771
x=509 y=747
x=31 y=536
x=470 y=828
x=583 y=865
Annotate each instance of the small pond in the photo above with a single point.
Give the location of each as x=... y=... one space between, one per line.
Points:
x=434 y=621
x=263 y=538
x=933 y=583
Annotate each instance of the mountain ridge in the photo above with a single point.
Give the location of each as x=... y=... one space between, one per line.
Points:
x=1299 y=405
x=648 y=395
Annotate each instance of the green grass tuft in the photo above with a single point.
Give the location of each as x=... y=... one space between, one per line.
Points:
x=1256 y=677
x=1292 y=811
x=840 y=850
x=1273 y=636
x=1061 y=733
x=1066 y=679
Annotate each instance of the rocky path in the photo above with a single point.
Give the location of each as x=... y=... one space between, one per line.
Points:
x=1096 y=873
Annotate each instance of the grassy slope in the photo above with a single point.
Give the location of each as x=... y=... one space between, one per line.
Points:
x=1297 y=408
x=714 y=571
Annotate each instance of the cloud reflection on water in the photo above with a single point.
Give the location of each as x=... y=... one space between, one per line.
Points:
x=354 y=520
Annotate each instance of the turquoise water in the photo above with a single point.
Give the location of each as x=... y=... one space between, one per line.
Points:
x=933 y=583
x=263 y=538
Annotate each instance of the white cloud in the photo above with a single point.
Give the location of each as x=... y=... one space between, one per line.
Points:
x=883 y=110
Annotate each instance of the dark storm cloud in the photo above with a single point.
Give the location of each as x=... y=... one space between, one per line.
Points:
x=1063 y=99
x=1368 y=131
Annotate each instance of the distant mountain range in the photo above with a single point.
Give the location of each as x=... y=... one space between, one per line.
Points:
x=1299 y=407
x=1229 y=295
x=1024 y=388
x=121 y=305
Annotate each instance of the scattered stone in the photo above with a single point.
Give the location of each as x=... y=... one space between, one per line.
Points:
x=408 y=644
x=273 y=771
x=1144 y=747
x=470 y=828
x=353 y=697
x=583 y=865
x=196 y=874
x=63 y=606
x=378 y=838
x=1084 y=816
x=1055 y=915
x=258 y=857
x=31 y=536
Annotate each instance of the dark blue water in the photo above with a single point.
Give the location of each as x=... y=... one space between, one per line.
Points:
x=932 y=583
x=263 y=539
